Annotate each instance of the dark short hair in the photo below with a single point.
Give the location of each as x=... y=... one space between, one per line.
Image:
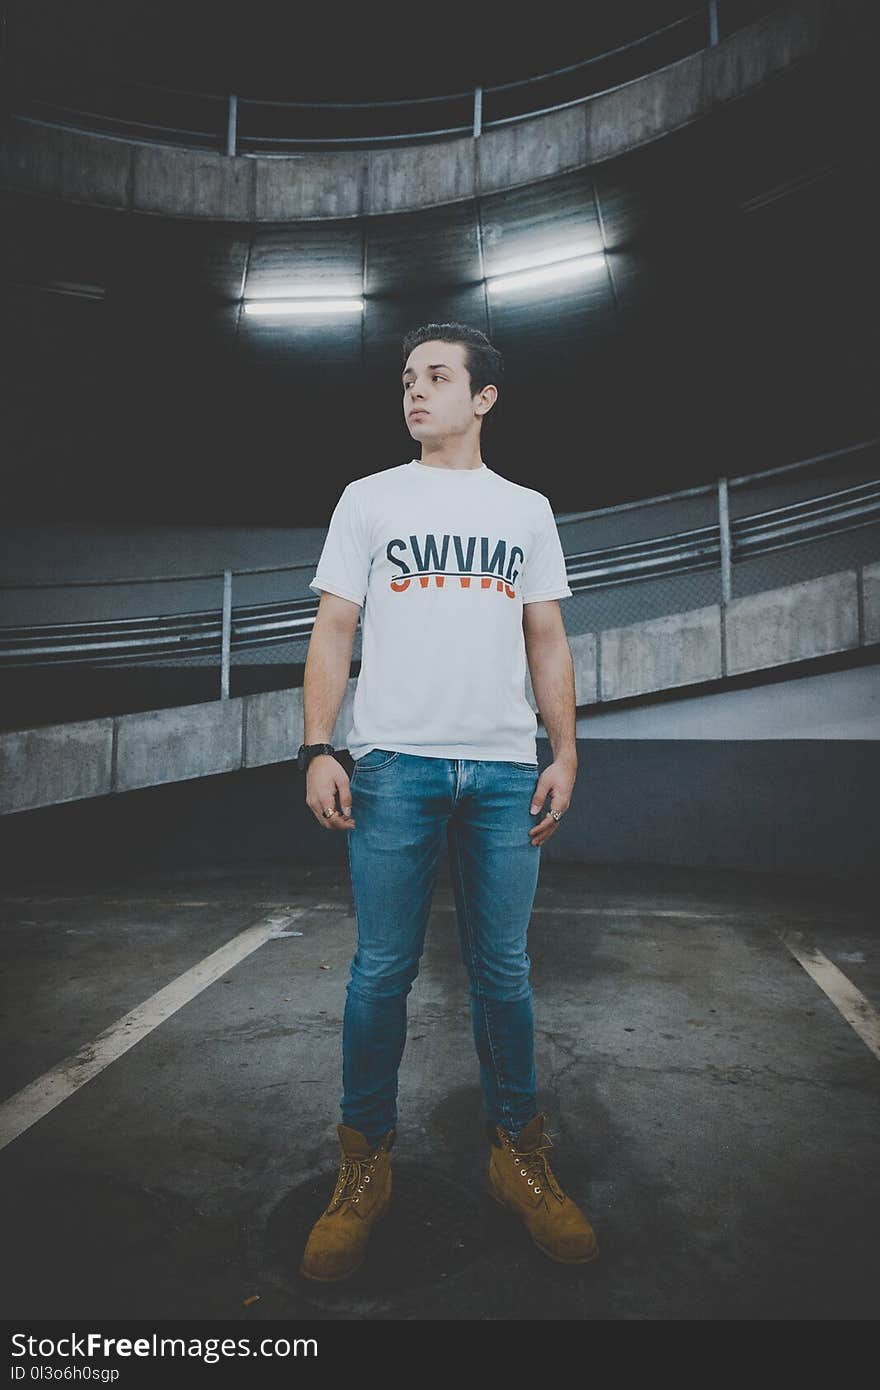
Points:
x=484 y=363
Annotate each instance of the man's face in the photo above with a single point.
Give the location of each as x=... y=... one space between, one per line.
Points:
x=436 y=382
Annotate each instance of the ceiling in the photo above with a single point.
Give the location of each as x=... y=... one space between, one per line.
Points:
x=731 y=328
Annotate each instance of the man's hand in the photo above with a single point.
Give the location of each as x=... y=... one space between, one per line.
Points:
x=325 y=777
x=557 y=782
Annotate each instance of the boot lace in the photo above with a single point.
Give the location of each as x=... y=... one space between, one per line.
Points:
x=534 y=1166
x=354 y=1174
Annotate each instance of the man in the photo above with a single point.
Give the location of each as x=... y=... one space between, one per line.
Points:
x=458 y=572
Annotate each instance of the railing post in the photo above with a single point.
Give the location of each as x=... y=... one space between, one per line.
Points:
x=724 y=529
x=227 y=635
x=232 y=125
x=713 y=23
x=478 y=112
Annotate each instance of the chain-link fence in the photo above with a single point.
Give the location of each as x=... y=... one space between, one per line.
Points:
x=615 y=550
x=845 y=531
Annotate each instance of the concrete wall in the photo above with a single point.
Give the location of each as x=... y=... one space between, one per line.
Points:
x=806 y=807
x=815 y=618
x=195 y=184
x=49 y=765
x=871 y=602
x=681 y=649
x=801 y=806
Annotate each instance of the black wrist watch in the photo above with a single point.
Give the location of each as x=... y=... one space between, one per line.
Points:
x=307 y=751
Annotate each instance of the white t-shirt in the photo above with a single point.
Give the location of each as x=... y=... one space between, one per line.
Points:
x=442 y=561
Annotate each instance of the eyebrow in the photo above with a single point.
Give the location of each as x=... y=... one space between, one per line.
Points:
x=433 y=366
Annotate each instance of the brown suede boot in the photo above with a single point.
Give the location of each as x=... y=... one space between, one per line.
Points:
x=337 y=1243
x=521 y=1179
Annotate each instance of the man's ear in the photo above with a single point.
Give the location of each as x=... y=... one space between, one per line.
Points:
x=482 y=399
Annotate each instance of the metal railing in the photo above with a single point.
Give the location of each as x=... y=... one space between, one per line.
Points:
x=717 y=547
x=714 y=546
x=228 y=122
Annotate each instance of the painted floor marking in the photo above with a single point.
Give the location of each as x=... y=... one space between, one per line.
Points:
x=35 y=1100
x=858 y=1011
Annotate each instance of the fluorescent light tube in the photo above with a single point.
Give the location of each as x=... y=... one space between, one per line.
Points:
x=284 y=307
x=546 y=274
x=76 y=288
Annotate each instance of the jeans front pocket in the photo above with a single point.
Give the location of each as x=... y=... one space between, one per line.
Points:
x=374 y=760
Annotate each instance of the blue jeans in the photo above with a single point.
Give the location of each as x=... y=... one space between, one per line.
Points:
x=402 y=803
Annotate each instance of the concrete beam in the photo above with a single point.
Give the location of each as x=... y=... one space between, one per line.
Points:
x=172 y=745
x=681 y=649
x=810 y=619
x=871 y=589
x=311 y=187
x=56 y=763
x=272 y=721
x=273 y=728
x=672 y=97
x=165 y=181
x=775 y=42
x=418 y=176
x=508 y=156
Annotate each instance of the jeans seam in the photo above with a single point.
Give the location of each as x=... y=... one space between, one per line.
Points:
x=499 y=1079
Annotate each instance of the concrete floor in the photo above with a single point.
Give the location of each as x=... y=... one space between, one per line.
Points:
x=710 y=1108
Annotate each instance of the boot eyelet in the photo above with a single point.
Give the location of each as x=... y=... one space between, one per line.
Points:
x=523 y=1171
x=531 y=1180
x=366 y=1177
x=537 y=1189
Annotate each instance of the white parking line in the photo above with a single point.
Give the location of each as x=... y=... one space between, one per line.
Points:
x=858 y=1011
x=36 y=1099
x=39 y=1097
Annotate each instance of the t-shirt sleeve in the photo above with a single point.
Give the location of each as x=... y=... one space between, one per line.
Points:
x=544 y=573
x=344 y=563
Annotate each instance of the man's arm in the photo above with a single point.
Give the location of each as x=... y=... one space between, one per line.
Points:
x=328 y=666
x=552 y=672
x=327 y=669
